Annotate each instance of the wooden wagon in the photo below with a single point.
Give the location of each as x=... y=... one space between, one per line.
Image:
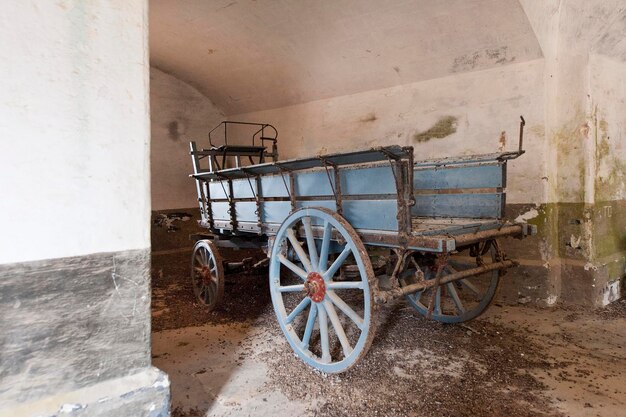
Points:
x=347 y=232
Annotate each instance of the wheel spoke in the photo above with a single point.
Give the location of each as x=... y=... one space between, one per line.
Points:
x=299 y=308
x=455 y=297
x=470 y=286
x=323 y=263
x=341 y=334
x=345 y=285
x=293 y=267
x=205 y=258
x=438 y=301
x=299 y=251
x=323 y=322
x=205 y=293
x=291 y=288
x=345 y=309
x=310 y=322
x=310 y=242
x=338 y=262
x=199 y=258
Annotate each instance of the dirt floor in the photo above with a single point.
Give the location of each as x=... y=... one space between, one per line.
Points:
x=513 y=361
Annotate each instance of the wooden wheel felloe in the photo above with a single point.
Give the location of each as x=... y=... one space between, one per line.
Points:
x=329 y=323
x=458 y=301
x=207 y=274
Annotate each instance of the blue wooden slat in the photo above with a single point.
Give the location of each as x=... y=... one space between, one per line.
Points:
x=329 y=204
x=246 y=211
x=458 y=205
x=363 y=214
x=371 y=214
x=275 y=211
x=273 y=186
x=313 y=184
x=375 y=180
x=220 y=211
x=475 y=176
x=241 y=188
x=216 y=190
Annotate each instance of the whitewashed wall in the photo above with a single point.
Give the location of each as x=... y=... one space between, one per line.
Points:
x=481 y=104
x=74 y=128
x=179 y=113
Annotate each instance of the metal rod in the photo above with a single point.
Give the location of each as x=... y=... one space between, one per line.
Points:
x=522 y=123
x=488 y=234
x=457 y=276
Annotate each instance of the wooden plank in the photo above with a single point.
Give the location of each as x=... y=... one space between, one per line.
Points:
x=218 y=190
x=373 y=180
x=314 y=183
x=220 y=210
x=363 y=214
x=458 y=205
x=246 y=211
x=275 y=211
x=241 y=188
x=474 y=176
x=273 y=186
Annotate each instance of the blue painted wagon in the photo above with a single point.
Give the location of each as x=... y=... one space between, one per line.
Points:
x=347 y=232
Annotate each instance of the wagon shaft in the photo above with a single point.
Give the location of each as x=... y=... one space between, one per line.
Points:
x=385 y=296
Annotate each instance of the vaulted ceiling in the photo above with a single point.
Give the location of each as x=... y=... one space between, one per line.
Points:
x=248 y=55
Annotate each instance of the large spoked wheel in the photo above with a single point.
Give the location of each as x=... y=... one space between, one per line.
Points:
x=458 y=301
x=207 y=274
x=329 y=323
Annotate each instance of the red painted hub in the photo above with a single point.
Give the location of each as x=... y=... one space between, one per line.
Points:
x=315 y=287
x=205 y=274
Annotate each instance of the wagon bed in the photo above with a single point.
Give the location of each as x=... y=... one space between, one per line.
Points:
x=375 y=223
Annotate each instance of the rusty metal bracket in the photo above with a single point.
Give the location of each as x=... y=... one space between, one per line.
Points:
x=257 y=199
x=441 y=261
x=292 y=183
x=336 y=188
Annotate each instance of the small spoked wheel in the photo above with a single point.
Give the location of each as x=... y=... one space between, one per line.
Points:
x=457 y=301
x=207 y=274
x=329 y=323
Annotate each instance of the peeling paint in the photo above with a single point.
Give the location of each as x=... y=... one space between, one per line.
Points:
x=589 y=266
x=502 y=142
x=611 y=293
x=551 y=300
x=482 y=58
x=167 y=220
x=530 y=214
x=445 y=126
x=68 y=408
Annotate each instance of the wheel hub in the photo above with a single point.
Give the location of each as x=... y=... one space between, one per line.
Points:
x=315 y=287
x=205 y=274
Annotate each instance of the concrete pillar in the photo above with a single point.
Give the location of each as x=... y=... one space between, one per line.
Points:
x=74 y=175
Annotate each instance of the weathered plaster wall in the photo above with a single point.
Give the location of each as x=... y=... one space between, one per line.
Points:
x=463 y=114
x=74 y=175
x=179 y=113
x=583 y=233
x=74 y=119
